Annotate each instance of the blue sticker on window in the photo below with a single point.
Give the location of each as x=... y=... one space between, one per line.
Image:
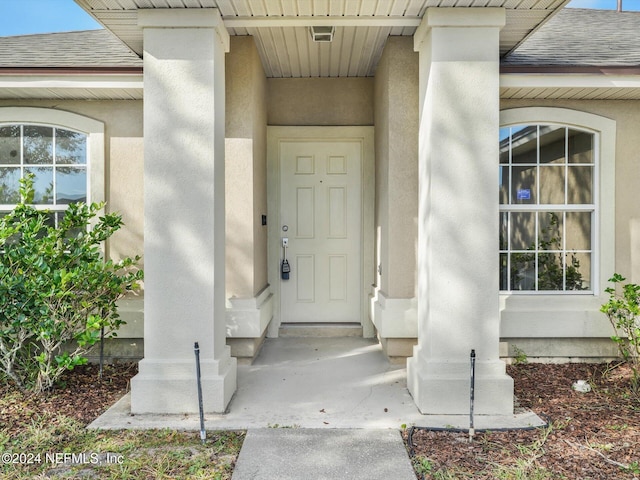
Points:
x=524 y=194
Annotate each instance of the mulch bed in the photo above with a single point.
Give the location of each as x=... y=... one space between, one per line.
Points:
x=81 y=395
x=592 y=435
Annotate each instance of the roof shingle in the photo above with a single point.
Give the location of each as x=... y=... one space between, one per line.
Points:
x=89 y=48
x=581 y=37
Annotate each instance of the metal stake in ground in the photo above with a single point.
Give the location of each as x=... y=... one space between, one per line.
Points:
x=472 y=394
x=203 y=433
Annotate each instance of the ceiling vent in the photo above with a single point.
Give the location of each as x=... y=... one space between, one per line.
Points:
x=322 y=34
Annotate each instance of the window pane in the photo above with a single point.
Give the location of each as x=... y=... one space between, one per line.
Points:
x=504 y=144
x=10 y=145
x=504 y=185
x=504 y=232
x=578 y=231
x=71 y=147
x=578 y=276
x=42 y=185
x=580 y=147
x=552 y=143
x=580 y=182
x=71 y=185
x=550 y=271
x=38 y=145
x=552 y=185
x=523 y=229
x=504 y=285
x=524 y=144
x=523 y=185
x=550 y=228
x=9 y=185
x=523 y=271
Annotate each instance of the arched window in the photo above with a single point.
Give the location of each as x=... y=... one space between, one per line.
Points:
x=556 y=201
x=547 y=208
x=64 y=152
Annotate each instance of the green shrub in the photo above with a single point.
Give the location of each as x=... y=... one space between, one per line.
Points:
x=57 y=292
x=623 y=312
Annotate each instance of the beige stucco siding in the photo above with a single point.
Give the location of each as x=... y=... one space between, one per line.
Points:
x=245 y=164
x=320 y=101
x=396 y=120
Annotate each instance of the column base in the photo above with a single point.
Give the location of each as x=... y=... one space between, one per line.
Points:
x=443 y=388
x=169 y=386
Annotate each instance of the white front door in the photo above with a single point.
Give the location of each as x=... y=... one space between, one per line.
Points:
x=321 y=215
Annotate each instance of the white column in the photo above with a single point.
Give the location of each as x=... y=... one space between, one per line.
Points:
x=458 y=214
x=184 y=92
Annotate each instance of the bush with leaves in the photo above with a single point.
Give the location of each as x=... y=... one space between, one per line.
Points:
x=57 y=292
x=623 y=311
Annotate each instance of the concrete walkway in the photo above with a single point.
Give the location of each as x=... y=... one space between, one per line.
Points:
x=314 y=454
x=317 y=408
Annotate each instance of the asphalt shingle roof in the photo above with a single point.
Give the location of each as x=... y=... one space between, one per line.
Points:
x=581 y=37
x=573 y=37
x=90 y=48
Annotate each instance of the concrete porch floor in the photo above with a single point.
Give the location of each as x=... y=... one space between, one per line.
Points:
x=315 y=383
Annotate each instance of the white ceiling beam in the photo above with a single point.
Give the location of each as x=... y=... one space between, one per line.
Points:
x=336 y=21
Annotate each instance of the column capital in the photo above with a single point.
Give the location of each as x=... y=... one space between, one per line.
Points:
x=458 y=17
x=185 y=18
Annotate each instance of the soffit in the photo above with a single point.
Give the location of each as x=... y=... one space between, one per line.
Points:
x=281 y=34
x=90 y=86
x=603 y=86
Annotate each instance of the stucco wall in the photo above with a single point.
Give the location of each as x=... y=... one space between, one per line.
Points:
x=245 y=164
x=396 y=121
x=320 y=101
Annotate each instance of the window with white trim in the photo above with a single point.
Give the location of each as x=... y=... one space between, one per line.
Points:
x=548 y=208
x=57 y=158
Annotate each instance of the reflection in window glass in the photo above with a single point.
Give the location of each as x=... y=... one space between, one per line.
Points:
x=38 y=145
x=56 y=157
x=580 y=184
x=580 y=147
x=71 y=147
x=42 y=185
x=10 y=145
x=552 y=145
x=546 y=208
x=552 y=186
x=71 y=185
x=9 y=185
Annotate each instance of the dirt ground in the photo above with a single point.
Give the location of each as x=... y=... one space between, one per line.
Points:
x=593 y=435
x=80 y=395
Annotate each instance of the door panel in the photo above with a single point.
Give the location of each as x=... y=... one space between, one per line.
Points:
x=320 y=202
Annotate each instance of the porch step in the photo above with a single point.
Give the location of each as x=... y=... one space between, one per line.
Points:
x=289 y=330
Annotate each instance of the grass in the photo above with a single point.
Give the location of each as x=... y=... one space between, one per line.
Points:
x=60 y=447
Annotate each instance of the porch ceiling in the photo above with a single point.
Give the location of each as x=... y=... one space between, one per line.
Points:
x=281 y=27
